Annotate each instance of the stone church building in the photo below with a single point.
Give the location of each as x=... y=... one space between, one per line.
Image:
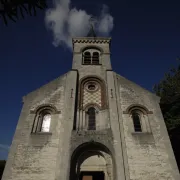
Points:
x=91 y=124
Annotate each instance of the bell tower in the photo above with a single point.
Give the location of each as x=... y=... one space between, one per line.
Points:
x=91 y=52
x=91 y=59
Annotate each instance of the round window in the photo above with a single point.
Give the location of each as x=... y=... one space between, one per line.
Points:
x=91 y=86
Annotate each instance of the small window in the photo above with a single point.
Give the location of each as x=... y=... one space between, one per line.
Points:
x=87 y=58
x=95 y=58
x=91 y=57
x=140 y=118
x=91 y=86
x=136 y=122
x=91 y=118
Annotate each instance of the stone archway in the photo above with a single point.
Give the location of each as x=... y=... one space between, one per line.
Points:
x=92 y=161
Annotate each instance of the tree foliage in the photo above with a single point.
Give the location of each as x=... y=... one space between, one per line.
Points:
x=2 y=165
x=169 y=91
x=12 y=9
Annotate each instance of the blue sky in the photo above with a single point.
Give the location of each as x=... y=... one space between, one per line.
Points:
x=145 y=44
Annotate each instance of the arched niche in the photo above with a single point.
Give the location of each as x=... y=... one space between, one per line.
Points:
x=102 y=87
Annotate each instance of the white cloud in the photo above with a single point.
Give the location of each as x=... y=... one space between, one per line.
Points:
x=66 y=23
x=105 y=23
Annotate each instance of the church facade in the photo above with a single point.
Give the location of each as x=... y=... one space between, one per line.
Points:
x=91 y=124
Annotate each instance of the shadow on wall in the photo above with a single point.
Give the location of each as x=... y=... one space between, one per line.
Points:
x=2 y=165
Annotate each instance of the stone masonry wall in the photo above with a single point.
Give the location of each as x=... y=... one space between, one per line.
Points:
x=34 y=156
x=150 y=155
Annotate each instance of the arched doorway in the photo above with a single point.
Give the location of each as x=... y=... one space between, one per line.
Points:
x=91 y=161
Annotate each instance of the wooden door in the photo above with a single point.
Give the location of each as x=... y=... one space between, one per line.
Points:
x=87 y=177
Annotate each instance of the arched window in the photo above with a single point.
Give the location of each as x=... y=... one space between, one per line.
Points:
x=140 y=117
x=136 y=121
x=91 y=57
x=95 y=58
x=91 y=118
x=87 y=57
x=42 y=121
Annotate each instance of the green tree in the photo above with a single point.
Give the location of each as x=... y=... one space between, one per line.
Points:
x=12 y=9
x=169 y=91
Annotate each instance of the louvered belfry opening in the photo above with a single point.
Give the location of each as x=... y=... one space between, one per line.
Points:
x=95 y=58
x=136 y=122
x=87 y=58
x=91 y=118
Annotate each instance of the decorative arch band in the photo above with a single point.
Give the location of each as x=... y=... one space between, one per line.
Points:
x=137 y=107
x=42 y=107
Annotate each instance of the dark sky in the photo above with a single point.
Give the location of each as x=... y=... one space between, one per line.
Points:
x=145 y=44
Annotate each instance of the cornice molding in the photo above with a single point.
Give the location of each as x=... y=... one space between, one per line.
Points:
x=91 y=40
